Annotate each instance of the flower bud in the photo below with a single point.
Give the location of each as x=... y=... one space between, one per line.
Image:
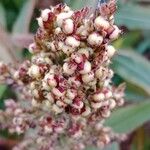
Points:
x=62 y=16
x=95 y=39
x=114 y=35
x=57 y=109
x=40 y=22
x=77 y=57
x=57 y=92
x=72 y=41
x=98 y=97
x=45 y=14
x=100 y=23
x=69 y=69
x=68 y=26
x=112 y=103
x=71 y=94
x=96 y=105
x=86 y=68
x=87 y=111
x=34 y=71
x=49 y=79
x=86 y=78
x=110 y=51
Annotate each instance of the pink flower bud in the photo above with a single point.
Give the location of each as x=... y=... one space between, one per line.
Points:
x=69 y=68
x=96 y=105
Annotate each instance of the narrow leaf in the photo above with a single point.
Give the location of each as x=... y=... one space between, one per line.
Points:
x=23 y=21
x=127 y=119
x=133 y=68
x=2 y=16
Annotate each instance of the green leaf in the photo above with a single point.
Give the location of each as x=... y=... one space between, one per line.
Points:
x=112 y=146
x=133 y=16
x=2 y=90
x=128 y=40
x=133 y=68
x=78 y=4
x=2 y=16
x=23 y=21
x=127 y=119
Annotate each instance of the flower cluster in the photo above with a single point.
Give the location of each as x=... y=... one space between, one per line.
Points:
x=68 y=80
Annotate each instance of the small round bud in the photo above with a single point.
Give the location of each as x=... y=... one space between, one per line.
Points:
x=101 y=23
x=69 y=69
x=71 y=94
x=114 y=35
x=34 y=71
x=40 y=22
x=62 y=16
x=87 y=111
x=57 y=92
x=110 y=51
x=98 y=97
x=95 y=39
x=71 y=41
x=45 y=14
x=86 y=69
x=68 y=26
x=57 y=109
x=86 y=78
x=96 y=105
x=112 y=103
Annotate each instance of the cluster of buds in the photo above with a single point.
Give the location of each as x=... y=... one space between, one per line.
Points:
x=68 y=79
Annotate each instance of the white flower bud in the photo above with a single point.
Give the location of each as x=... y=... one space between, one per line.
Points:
x=68 y=26
x=87 y=111
x=48 y=129
x=32 y=48
x=68 y=69
x=40 y=22
x=58 y=30
x=35 y=103
x=86 y=78
x=77 y=57
x=57 y=92
x=71 y=94
x=110 y=51
x=68 y=101
x=96 y=105
x=95 y=39
x=98 y=97
x=71 y=41
x=45 y=14
x=67 y=49
x=101 y=23
x=57 y=109
x=60 y=103
x=112 y=103
x=50 y=97
x=106 y=114
x=62 y=16
x=34 y=71
x=49 y=79
x=45 y=86
x=86 y=69
x=114 y=35
x=84 y=51
x=47 y=104
x=108 y=95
